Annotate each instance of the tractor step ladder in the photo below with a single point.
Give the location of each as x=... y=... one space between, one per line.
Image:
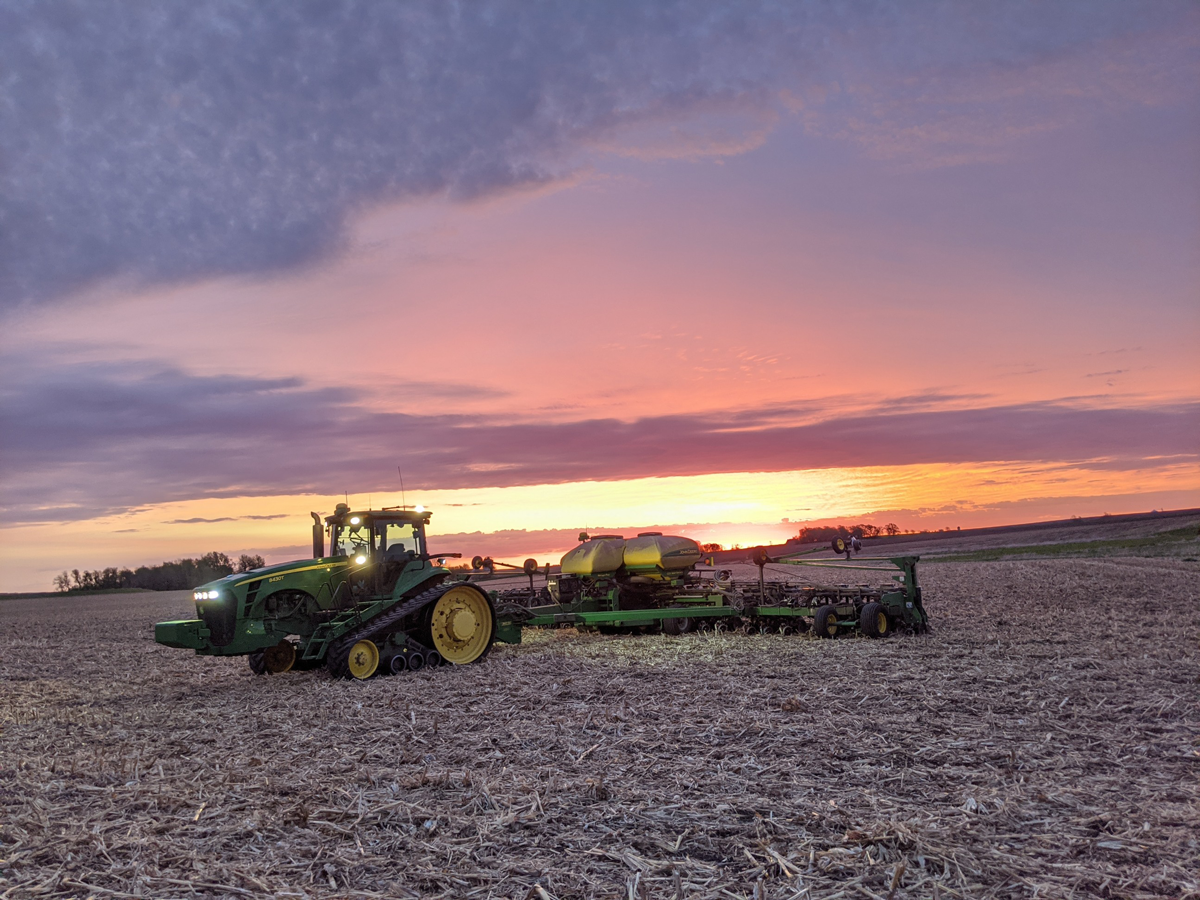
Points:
x=328 y=632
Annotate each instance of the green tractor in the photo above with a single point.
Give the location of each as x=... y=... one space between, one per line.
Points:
x=378 y=602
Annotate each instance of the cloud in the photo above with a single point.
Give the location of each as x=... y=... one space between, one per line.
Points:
x=87 y=439
x=169 y=142
x=198 y=520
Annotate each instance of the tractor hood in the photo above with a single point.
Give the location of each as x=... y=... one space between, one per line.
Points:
x=239 y=579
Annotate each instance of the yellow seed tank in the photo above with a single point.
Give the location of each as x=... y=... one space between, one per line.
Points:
x=646 y=554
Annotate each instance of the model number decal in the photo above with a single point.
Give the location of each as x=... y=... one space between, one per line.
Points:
x=274 y=578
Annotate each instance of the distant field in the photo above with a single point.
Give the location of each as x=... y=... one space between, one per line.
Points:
x=36 y=595
x=1042 y=742
x=1176 y=542
x=1149 y=535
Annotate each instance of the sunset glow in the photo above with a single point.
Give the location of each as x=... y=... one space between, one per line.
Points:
x=828 y=268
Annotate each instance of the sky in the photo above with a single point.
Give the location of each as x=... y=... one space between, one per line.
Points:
x=720 y=268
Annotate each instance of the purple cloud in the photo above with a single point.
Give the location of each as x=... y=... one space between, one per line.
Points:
x=173 y=141
x=88 y=439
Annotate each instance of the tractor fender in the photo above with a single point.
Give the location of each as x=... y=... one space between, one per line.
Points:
x=414 y=580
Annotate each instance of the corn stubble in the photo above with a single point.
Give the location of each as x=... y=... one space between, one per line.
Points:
x=1042 y=742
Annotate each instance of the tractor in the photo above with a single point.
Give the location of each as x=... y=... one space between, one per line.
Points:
x=379 y=601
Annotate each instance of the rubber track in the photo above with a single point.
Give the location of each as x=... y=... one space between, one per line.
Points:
x=381 y=623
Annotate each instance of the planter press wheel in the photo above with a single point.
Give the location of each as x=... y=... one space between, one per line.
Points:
x=462 y=625
x=364 y=659
x=280 y=658
x=678 y=625
x=874 y=621
x=825 y=622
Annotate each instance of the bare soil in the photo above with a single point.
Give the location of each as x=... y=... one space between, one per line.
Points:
x=1043 y=742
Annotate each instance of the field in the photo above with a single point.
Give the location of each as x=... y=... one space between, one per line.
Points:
x=1043 y=742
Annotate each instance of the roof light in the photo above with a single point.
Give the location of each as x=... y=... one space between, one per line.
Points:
x=355 y=520
x=420 y=508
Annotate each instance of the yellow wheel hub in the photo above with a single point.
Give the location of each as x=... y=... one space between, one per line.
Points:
x=364 y=659
x=881 y=623
x=831 y=626
x=280 y=658
x=461 y=625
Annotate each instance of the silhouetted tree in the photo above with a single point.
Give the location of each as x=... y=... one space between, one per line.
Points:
x=823 y=534
x=892 y=528
x=178 y=575
x=246 y=563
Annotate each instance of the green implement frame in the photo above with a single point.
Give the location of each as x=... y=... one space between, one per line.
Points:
x=701 y=599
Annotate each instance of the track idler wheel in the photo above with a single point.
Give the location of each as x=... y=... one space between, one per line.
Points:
x=825 y=622
x=358 y=660
x=364 y=659
x=874 y=621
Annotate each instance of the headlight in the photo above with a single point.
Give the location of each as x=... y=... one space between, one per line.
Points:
x=355 y=520
x=360 y=559
x=206 y=595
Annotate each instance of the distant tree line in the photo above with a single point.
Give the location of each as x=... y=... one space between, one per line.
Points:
x=824 y=533
x=179 y=575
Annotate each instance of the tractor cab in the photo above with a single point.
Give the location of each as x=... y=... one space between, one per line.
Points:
x=378 y=544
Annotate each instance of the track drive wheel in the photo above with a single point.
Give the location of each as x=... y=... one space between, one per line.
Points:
x=462 y=625
x=874 y=621
x=825 y=622
x=280 y=658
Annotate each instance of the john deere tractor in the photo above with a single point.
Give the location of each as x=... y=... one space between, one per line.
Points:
x=378 y=602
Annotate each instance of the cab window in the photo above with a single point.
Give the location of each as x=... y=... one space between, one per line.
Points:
x=351 y=539
x=401 y=540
